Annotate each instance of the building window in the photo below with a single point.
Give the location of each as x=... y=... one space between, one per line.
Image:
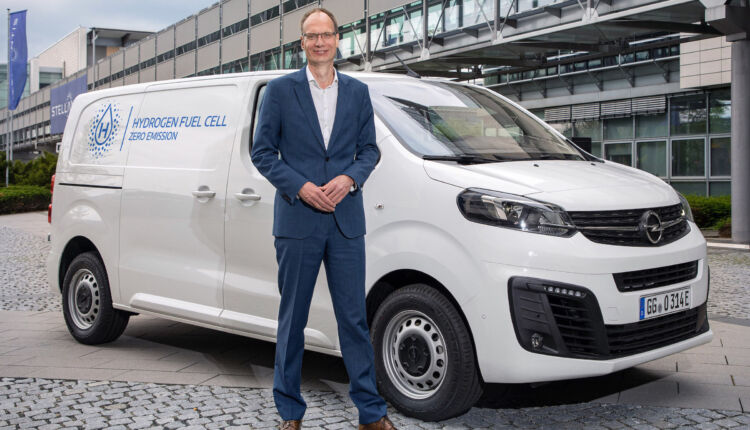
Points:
x=596 y=149
x=720 y=156
x=563 y=127
x=688 y=157
x=165 y=56
x=235 y=66
x=651 y=125
x=255 y=62
x=291 y=5
x=720 y=111
x=353 y=39
x=697 y=188
x=130 y=70
x=264 y=16
x=591 y=128
x=235 y=28
x=186 y=48
x=399 y=29
x=148 y=63
x=450 y=19
x=642 y=56
x=531 y=4
x=688 y=115
x=294 y=56
x=723 y=188
x=209 y=38
x=473 y=15
x=266 y=60
x=210 y=71
x=619 y=152
x=48 y=78
x=651 y=156
x=618 y=128
x=539 y=113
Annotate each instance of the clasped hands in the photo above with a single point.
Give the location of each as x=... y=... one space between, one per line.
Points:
x=326 y=197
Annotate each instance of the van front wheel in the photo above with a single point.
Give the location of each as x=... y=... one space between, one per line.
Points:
x=424 y=357
x=87 y=302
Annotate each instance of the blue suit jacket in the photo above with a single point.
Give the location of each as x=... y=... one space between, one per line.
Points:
x=288 y=150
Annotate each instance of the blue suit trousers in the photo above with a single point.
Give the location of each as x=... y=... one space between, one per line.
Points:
x=344 y=261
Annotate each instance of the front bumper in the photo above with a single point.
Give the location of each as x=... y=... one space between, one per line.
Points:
x=566 y=321
x=501 y=354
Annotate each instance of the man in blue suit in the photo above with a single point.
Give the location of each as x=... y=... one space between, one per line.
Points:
x=315 y=142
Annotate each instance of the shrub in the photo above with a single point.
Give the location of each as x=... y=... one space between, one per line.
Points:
x=725 y=227
x=23 y=198
x=38 y=171
x=709 y=211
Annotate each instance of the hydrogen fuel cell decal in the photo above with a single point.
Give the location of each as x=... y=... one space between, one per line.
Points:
x=168 y=127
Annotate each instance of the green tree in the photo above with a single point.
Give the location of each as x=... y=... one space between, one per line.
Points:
x=38 y=171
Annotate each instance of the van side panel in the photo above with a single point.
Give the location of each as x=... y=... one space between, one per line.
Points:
x=173 y=198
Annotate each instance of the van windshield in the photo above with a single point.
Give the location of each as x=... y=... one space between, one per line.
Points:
x=442 y=120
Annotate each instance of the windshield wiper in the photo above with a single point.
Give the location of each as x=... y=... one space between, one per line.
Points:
x=462 y=158
x=560 y=156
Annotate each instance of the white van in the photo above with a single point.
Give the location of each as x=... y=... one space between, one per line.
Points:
x=497 y=251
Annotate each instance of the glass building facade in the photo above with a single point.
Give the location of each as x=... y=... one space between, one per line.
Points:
x=687 y=143
x=4 y=85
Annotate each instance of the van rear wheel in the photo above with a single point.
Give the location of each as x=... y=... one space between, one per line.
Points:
x=424 y=356
x=87 y=302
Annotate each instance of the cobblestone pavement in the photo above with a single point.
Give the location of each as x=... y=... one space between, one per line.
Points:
x=730 y=283
x=48 y=404
x=23 y=277
x=23 y=284
x=52 y=404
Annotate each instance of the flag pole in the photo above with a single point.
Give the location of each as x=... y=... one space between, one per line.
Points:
x=9 y=144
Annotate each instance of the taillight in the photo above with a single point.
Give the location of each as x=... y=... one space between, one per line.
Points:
x=52 y=192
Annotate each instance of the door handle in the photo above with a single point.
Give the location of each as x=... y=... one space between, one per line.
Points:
x=247 y=197
x=204 y=194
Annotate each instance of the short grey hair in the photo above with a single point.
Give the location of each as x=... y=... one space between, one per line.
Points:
x=316 y=10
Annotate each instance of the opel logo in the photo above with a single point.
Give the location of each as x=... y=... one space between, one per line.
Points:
x=650 y=226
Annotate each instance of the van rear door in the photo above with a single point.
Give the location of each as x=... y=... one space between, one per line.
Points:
x=173 y=199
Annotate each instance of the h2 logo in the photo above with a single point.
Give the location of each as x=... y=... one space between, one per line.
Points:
x=104 y=127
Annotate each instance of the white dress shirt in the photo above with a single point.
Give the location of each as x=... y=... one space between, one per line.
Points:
x=325 y=102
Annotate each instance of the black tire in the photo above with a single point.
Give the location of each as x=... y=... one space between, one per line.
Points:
x=87 y=302
x=417 y=319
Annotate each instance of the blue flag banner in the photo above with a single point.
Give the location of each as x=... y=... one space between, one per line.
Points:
x=60 y=99
x=18 y=57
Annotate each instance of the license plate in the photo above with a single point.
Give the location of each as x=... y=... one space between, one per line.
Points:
x=664 y=303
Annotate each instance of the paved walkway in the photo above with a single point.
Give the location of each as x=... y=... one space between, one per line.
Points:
x=37 y=344
x=164 y=374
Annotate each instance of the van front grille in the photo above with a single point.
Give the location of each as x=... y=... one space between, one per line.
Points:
x=623 y=227
x=628 y=339
x=568 y=321
x=658 y=277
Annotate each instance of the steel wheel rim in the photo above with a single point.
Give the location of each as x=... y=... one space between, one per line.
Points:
x=414 y=374
x=84 y=300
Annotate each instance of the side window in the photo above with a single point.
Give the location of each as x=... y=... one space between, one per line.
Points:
x=101 y=135
x=256 y=110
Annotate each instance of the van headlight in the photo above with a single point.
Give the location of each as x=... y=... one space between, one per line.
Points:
x=516 y=212
x=686 y=211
